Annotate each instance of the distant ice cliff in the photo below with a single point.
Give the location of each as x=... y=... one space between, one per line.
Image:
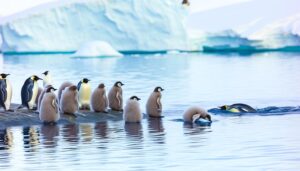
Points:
x=126 y=25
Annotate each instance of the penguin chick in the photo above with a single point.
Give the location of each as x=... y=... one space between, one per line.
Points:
x=154 y=106
x=5 y=92
x=194 y=113
x=99 y=101
x=69 y=100
x=84 y=94
x=62 y=87
x=40 y=97
x=115 y=97
x=49 y=112
x=29 y=92
x=132 y=112
x=47 y=80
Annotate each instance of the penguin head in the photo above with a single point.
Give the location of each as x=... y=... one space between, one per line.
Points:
x=101 y=85
x=224 y=107
x=85 y=80
x=134 y=98
x=208 y=117
x=158 y=89
x=45 y=73
x=50 y=89
x=73 y=88
x=35 y=78
x=118 y=84
x=3 y=76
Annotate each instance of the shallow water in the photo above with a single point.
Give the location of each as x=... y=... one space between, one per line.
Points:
x=231 y=143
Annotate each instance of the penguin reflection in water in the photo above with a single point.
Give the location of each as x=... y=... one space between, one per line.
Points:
x=115 y=97
x=154 y=106
x=132 y=112
x=5 y=92
x=84 y=94
x=29 y=92
x=49 y=112
x=238 y=108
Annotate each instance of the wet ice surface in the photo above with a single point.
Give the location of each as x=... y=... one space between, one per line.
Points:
x=248 y=142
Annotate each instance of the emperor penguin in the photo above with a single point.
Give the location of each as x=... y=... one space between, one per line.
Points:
x=84 y=94
x=62 y=87
x=153 y=105
x=41 y=96
x=238 y=108
x=99 y=101
x=68 y=103
x=194 y=113
x=49 y=112
x=132 y=111
x=47 y=80
x=5 y=92
x=29 y=92
x=115 y=97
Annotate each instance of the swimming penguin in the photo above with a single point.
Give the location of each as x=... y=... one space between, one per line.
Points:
x=69 y=100
x=47 y=80
x=132 y=112
x=192 y=114
x=154 y=106
x=62 y=87
x=5 y=92
x=49 y=112
x=238 y=108
x=84 y=94
x=29 y=92
x=115 y=97
x=99 y=101
x=40 y=97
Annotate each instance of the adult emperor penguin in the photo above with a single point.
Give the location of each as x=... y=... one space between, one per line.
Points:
x=41 y=96
x=5 y=92
x=62 y=87
x=99 y=101
x=194 y=113
x=84 y=94
x=238 y=108
x=47 y=80
x=154 y=106
x=29 y=92
x=49 y=112
x=115 y=97
x=132 y=111
x=68 y=103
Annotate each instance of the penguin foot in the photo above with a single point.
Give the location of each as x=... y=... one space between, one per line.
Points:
x=10 y=110
x=71 y=114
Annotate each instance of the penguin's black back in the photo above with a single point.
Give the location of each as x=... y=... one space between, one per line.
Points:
x=26 y=92
x=79 y=85
x=243 y=107
x=3 y=93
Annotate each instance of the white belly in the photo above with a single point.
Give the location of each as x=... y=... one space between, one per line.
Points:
x=9 y=94
x=84 y=94
x=35 y=88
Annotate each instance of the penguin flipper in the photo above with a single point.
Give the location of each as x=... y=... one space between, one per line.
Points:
x=27 y=93
x=3 y=93
x=79 y=85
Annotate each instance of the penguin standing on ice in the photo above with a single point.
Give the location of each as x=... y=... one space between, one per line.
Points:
x=5 y=92
x=68 y=103
x=84 y=94
x=49 y=112
x=29 y=92
x=238 y=108
x=115 y=97
x=47 y=80
x=62 y=87
x=99 y=101
x=40 y=97
x=154 y=106
x=132 y=112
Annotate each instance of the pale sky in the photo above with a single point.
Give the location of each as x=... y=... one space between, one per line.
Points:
x=13 y=6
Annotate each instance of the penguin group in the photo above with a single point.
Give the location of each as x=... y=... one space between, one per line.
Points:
x=71 y=98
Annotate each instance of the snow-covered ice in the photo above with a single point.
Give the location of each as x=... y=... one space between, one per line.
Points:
x=96 y=49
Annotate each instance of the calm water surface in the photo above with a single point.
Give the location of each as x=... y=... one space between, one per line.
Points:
x=231 y=143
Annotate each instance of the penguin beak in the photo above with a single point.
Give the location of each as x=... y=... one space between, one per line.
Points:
x=138 y=99
x=162 y=89
x=122 y=84
x=54 y=89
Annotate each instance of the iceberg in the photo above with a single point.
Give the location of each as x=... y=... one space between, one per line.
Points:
x=131 y=25
x=96 y=49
